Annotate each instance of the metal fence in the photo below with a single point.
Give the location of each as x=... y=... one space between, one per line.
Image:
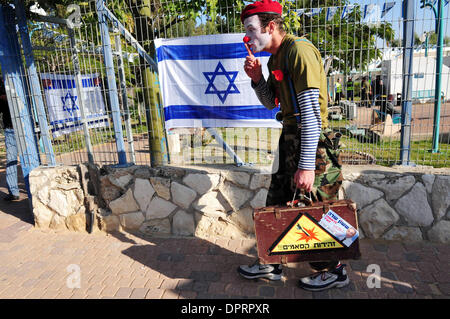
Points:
x=97 y=93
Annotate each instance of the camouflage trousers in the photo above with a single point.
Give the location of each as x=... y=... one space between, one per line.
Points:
x=328 y=179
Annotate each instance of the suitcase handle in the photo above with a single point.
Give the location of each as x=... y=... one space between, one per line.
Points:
x=297 y=201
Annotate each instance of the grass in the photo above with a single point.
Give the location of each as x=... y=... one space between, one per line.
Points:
x=387 y=152
x=257 y=145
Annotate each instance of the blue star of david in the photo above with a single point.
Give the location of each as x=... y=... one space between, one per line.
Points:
x=221 y=94
x=74 y=106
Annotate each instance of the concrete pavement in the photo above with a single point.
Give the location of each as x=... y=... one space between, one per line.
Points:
x=36 y=264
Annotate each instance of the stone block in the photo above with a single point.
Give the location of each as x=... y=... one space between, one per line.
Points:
x=42 y=214
x=394 y=186
x=58 y=222
x=376 y=218
x=414 y=207
x=121 y=179
x=77 y=222
x=403 y=233
x=181 y=195
x=238 y=178
x=161 y=186
x=440 y=232
x=440 y=197
x=132 y=220
x=143 y=193
x=58 y=202
x=210 y=205
x=243 y=219
x=124 y=204
x=111 y=223
x=156 y=227
x=202 y=183
x=360 y=194
x=208 y=227
x=109 y=192
x=236 y=196
x=260 y=181
x=260 y=198
x=159 y=208
x=183 y=224
x=428 y=180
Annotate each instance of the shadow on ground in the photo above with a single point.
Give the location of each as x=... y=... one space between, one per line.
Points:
x=198 y=268
x=20 y=208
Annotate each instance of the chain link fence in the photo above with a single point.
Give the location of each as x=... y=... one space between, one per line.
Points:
x=361 y=45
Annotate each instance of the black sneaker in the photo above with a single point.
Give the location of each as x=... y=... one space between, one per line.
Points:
x=10 y=198
x=272 y=272
x=326 y=279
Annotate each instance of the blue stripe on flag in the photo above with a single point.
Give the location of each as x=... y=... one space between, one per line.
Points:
x=58 y=84
x=204 y=52
x=236 y=112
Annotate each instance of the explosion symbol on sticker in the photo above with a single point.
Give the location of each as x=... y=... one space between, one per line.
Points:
x=306 y=234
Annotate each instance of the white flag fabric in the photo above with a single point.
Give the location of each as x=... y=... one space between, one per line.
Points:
x=62 y=101
x=372 y=15
x=313 y=12
x=346 y=10
x=386 y=8
x=331 y=11
x=203 y=83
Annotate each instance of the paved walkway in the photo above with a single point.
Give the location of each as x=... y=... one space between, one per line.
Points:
x=37 y=264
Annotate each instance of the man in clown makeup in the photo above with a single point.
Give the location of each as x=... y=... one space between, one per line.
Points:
x=308 y=151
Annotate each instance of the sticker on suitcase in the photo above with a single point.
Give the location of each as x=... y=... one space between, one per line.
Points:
x=339 y=227
x=303 y=234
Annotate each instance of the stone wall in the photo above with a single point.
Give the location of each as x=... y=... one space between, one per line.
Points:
x=173 y=201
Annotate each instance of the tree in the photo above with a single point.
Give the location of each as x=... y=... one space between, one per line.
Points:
x=351 y=42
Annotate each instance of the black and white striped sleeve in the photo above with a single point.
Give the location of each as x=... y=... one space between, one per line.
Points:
x=264 y=94
x=308 y=101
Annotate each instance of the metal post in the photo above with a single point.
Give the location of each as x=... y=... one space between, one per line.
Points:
x=79 y=87
x=112 y=88
x=36 y=96
x=408 y=46
x=123 y=87
x=154 y=113
x=14 y=77
x=437 y=92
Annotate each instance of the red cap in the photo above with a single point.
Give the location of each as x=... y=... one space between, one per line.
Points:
x=263 y=6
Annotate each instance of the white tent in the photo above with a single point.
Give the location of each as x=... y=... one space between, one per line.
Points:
x=424 y=74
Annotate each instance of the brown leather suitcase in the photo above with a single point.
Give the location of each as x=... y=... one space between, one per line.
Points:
x=293 y=234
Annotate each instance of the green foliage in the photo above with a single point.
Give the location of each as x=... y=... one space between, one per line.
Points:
x=352 y=43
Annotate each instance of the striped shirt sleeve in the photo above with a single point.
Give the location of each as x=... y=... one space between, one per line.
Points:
x=308 y=101
x=264 y=94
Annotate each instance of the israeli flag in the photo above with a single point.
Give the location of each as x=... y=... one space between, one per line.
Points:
x=203 y=83
x=61 y=96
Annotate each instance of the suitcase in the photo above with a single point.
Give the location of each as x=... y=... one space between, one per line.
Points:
x=293 y=234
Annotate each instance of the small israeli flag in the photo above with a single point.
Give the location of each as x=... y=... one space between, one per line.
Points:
x=386 y=8
x=203 y=82
x=331 y=11
x=347 y=10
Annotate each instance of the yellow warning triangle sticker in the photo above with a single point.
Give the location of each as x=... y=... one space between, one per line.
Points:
x=304 y=234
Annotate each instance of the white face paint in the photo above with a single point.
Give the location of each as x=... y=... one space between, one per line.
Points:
x=258 y=40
